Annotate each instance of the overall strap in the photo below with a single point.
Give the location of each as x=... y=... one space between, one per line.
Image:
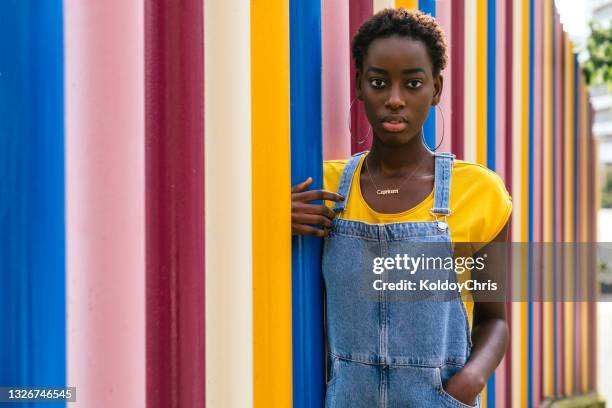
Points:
x=346 y=180
x=443 y=174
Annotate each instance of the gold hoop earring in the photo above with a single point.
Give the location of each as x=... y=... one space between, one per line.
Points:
x=359 y=142
x=442 y=139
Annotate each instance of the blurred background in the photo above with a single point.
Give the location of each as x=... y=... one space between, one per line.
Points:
x=589 y=26
x=147 y=149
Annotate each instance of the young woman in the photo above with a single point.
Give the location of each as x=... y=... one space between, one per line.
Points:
x=403 y=200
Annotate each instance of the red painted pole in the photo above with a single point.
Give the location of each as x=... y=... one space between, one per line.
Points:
x=458 y=57
x=174 y=171
x=361 y=138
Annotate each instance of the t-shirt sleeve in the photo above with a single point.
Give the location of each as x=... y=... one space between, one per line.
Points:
x=481 y=208
x=491 y=206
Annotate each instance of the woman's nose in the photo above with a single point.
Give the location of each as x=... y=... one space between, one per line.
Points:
x=395 y=100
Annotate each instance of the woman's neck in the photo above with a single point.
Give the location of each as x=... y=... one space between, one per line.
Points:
x=393 y=160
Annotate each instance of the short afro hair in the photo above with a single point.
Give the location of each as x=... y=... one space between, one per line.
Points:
x=413 y=24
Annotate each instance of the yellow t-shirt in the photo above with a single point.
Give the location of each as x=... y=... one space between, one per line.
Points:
x=479 y=202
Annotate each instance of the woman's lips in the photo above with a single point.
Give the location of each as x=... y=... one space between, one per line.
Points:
x=394 y=126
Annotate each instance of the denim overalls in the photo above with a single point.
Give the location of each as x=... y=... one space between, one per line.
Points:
x=391 y=348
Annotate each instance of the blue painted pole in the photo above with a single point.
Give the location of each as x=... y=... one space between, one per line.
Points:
x=429 y=128
x=530 y=182
x=491 y=82
x=306 y=161
x=32 y=261
x=491 y=130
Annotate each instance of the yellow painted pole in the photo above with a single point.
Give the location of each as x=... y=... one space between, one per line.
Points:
x=584 y=273
x=271 y=204
x=519 y=176
x=517 y=101
x=407 y=4
x=569 y=214
x=524 y=203
x=481 y=83
x=480 y=103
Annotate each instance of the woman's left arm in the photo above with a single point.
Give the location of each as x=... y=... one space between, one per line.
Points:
x=489 y=340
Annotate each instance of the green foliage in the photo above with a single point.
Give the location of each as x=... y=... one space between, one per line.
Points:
x=598 y=68
x=606 y=199
x=606 y=192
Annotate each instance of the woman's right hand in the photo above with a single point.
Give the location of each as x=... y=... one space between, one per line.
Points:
x=304 y=216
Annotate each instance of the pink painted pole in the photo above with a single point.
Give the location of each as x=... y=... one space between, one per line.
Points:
x=443 y=125
x=105 y=202
x=336 y=79
x=500 y=90
x=500 y=148
x=559 y=372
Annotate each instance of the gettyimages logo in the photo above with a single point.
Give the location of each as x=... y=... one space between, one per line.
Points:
x=496 y=272
x=413 y=265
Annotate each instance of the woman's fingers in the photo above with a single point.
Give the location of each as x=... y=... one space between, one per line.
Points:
x=319 y=209
x=302 y=229
x=299 y=193
x=306 y=217
x=311 y=219
x=316 y=195
x=298 y=188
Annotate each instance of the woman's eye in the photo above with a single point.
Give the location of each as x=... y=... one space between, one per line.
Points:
x=414 y=84
x=377 y=83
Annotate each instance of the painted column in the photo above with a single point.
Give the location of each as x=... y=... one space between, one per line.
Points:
x=271 y=171
x=32 y=254
x=306 y=158
x=361 y=135
x=105 y=207
x=336 y=63
x=174 y=191
x=228 y=204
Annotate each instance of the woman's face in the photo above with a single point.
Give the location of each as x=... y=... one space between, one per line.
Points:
x=397 y=87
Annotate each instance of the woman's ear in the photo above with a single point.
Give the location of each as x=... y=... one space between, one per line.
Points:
x=358 y=85
x=438 y=85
